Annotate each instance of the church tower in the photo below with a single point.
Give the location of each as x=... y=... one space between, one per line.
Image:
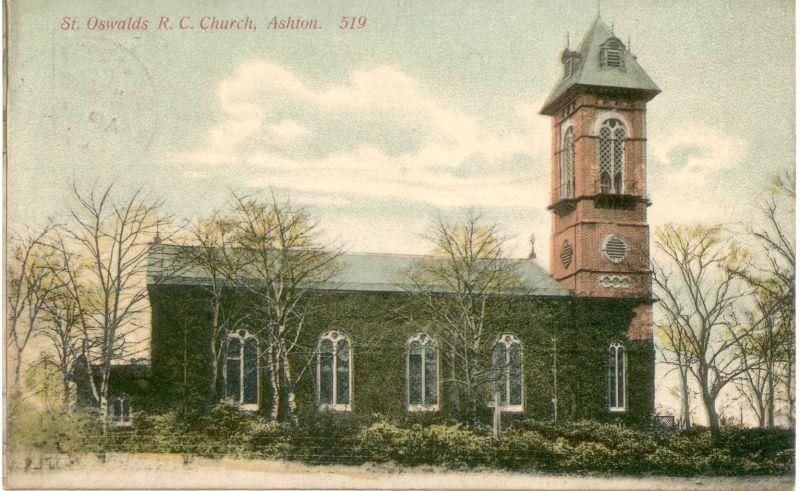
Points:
x=600 y=237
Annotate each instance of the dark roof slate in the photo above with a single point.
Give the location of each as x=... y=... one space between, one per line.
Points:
x=591 y=73
x=366 y=272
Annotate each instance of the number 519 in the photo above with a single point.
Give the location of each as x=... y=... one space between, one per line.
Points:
x=353 y=22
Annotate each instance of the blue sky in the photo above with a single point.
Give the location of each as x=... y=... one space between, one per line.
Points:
x=433 y=107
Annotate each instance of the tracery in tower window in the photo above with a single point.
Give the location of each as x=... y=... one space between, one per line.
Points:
x=611 y=156
x=566 y=168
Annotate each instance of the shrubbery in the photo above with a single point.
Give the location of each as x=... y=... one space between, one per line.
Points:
x=326 y=438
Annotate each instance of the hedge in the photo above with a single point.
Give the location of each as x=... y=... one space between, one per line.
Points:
x=528 y=446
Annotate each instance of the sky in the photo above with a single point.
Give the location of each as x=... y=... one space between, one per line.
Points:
x=431 y=108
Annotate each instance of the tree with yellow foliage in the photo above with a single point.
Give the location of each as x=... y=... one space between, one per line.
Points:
x=697 y=289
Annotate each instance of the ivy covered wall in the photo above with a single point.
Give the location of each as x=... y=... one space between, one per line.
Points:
x=378 y=325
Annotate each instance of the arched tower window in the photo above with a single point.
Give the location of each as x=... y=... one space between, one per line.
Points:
x=507 y=373
x=241 y=369
x=616 y=377
x=422 y=373
x=566 y=168
x=334 y=371
x=612 y=157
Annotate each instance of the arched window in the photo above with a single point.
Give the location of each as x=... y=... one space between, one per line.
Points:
x=616 y=377
x=241 y=369
x=507 y=373
x=422 y=373
x=566 y=169
x=334 y=371
x=612 y=156
x=119 y=411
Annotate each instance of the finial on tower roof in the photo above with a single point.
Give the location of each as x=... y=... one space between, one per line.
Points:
x=157 y=238
x=532 y=254
x=567 y=39
x=612 y=27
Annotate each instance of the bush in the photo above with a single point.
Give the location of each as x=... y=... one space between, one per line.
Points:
x=583 y=447
x=328 y=438
x=527 y=450
x=33 y=430
x=156 y=433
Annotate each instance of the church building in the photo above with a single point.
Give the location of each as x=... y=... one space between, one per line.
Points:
x=577 y=345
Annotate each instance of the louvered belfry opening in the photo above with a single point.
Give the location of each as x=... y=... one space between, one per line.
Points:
x=611 y=54
x=615 y=248
x=566 y=254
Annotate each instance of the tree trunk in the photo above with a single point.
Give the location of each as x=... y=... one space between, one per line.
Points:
x=65 y=397
x=213 y=368
x=789 y=395
x=711 y=411
x=17 y=370
x=454 y=388
x=288 y=390
x=275 y=385
x=686 y=416
x=770 y=403
x=104 y=412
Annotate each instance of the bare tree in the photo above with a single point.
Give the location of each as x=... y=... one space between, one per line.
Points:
x=697 y=290
x=28 y=288
x=759 y=349
x=283 y=261
x=105 y=266
x=455 y=289
x=771 y=276
x=675 y=350
x=212 y=240
x=62 y=329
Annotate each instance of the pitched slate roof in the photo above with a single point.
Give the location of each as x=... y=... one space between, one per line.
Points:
x=363 y=272
x=384 y=272
x=591 y=73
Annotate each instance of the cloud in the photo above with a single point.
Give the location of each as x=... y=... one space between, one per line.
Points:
x=376 y=134
x=691 y=153
x=687 y=170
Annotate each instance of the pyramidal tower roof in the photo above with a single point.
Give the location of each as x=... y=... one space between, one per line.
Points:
x=589 y=70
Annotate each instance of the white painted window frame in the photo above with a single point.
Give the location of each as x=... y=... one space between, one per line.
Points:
x=117 y=420
x=425 y=340
x=614 y=405
x=508 y=340
x=334 y=337
x=243 y=335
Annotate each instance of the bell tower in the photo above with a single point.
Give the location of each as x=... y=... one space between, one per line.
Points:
x=600 y=237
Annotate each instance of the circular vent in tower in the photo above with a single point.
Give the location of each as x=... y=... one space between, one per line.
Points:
x=566 y=254
x=614 y=248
